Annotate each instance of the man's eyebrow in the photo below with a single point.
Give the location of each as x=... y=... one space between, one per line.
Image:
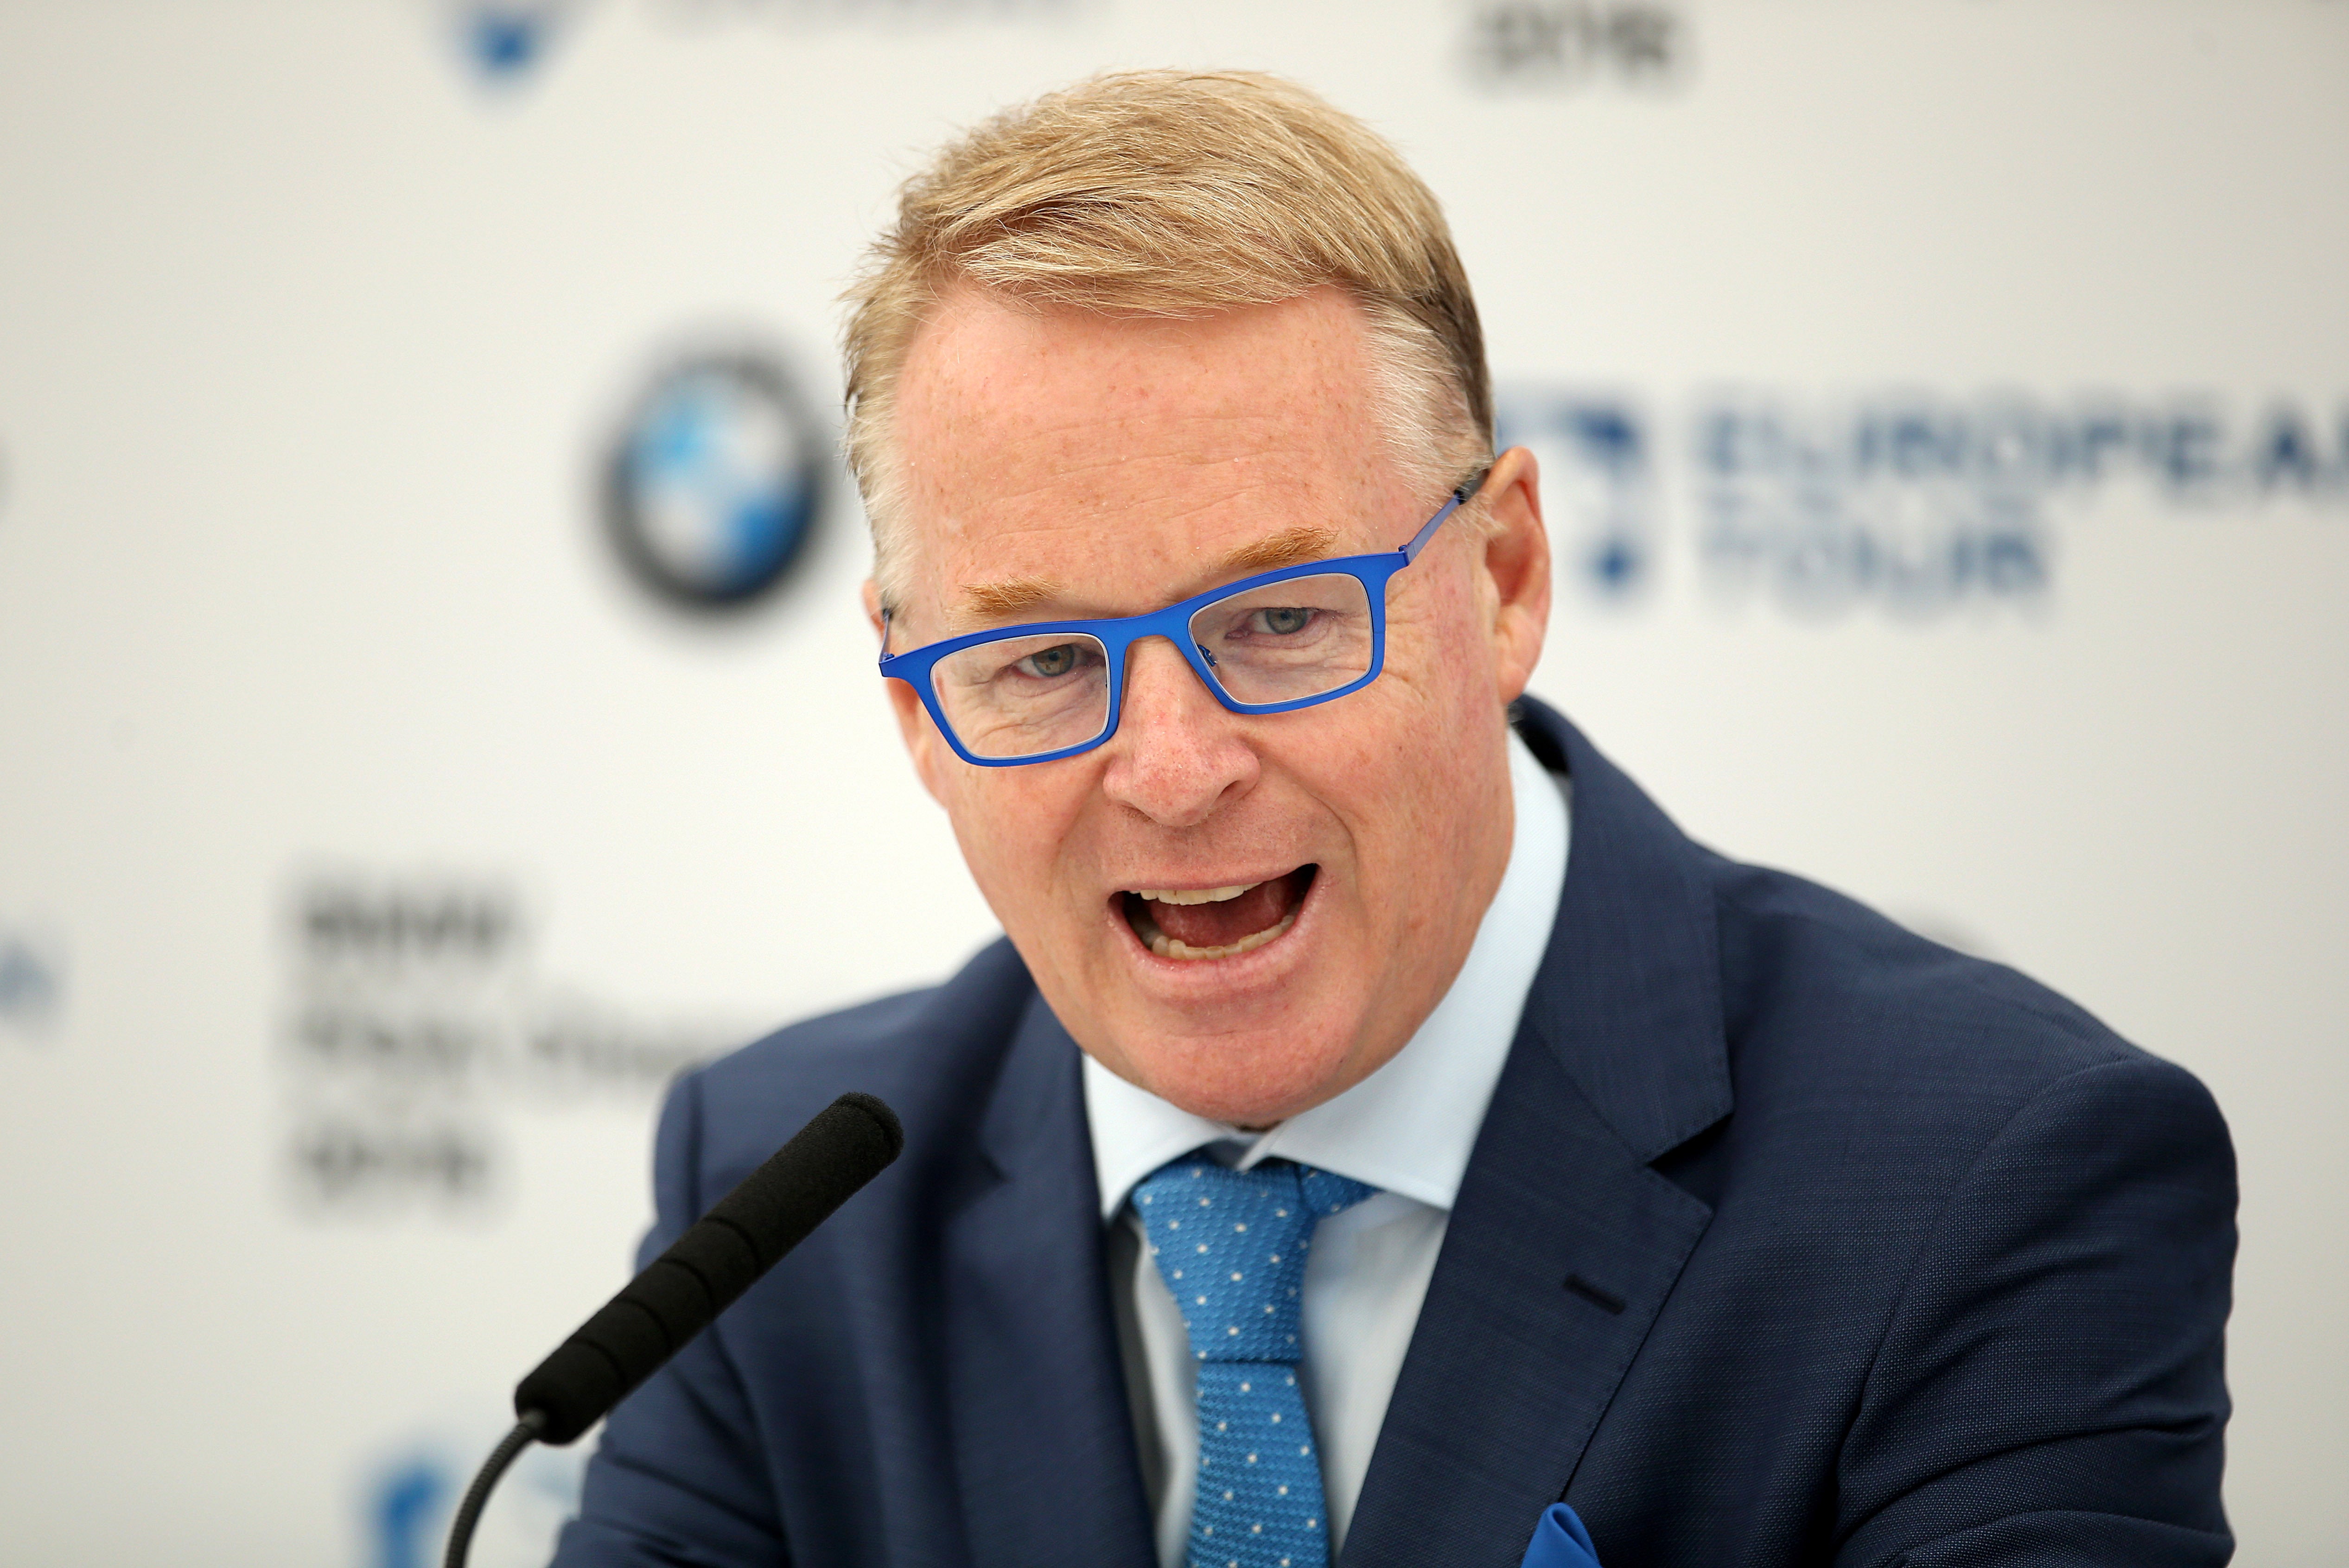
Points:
x=1289 y=547
x=1009 y=596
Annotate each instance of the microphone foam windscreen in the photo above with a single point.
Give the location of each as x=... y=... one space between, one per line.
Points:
x=743 y=1235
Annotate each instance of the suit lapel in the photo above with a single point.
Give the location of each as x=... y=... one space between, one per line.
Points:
x=1564 y=1244
x=1042 y=1433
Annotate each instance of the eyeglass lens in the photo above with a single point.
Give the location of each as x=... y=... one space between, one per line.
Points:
x=1284 y=642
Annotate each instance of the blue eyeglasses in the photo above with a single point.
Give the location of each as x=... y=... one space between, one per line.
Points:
x=1268 y=643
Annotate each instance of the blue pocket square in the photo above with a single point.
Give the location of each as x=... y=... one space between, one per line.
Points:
x=1560 y=1541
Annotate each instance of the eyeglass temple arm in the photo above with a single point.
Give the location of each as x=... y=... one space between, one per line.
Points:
x=1460 y=497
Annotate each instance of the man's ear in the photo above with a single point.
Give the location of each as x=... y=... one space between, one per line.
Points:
x=1516 y=566
x=914 y=726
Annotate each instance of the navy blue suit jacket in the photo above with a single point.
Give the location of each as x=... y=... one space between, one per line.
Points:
x=1790 y=1238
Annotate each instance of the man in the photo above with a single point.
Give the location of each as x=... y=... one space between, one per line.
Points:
x=1379 y=1122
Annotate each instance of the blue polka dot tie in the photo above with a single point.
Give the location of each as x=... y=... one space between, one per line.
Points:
x=1231 y=1246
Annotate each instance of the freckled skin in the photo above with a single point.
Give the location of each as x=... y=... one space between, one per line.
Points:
x=1125 y=458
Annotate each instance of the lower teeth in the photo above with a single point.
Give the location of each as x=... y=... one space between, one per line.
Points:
x=1166 y=946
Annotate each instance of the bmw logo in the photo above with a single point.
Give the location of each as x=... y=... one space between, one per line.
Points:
x=715 y=479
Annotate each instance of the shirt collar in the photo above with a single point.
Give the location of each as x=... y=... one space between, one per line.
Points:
x=1408 y=1128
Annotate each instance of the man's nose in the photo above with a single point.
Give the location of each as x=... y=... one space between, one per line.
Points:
x=1177 y=752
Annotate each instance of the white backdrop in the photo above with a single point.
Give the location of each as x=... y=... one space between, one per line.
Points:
x=1946 y=411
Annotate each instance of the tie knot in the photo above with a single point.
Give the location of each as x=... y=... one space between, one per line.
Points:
x=1231 y=1246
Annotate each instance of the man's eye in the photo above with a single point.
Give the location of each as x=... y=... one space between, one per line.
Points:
x=1045 y=664
x=1284 y=621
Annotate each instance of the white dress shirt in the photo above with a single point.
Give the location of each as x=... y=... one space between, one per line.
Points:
x=1406 y=1129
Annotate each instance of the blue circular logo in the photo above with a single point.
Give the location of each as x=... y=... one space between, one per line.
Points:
x=717 y=480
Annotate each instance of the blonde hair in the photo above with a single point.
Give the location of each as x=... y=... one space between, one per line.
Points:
x=1171 y=193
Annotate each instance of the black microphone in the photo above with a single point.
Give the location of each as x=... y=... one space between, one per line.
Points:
x=743 y=1235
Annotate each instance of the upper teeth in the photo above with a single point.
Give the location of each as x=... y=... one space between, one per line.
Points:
x=1197 y=895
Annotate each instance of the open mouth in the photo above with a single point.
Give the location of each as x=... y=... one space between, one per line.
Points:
x=1193 y=923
